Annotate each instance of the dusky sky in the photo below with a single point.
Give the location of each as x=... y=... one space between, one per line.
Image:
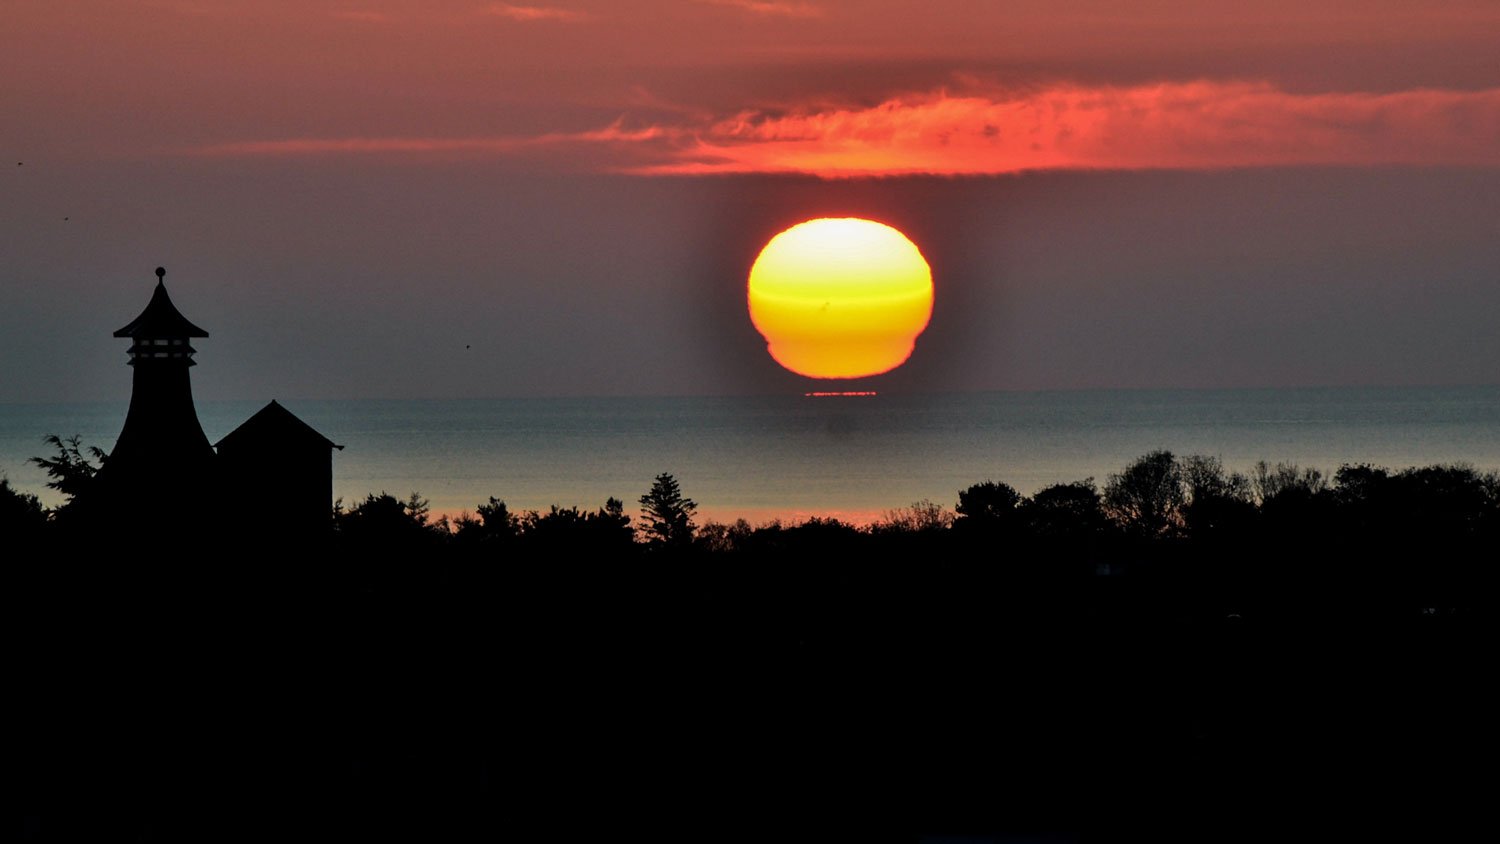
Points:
x=391 y=198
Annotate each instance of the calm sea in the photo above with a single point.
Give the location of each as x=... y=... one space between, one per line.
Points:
x=793 y=456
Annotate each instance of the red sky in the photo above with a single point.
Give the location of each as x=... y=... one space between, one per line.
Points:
x=880 y=85
x=581 y=185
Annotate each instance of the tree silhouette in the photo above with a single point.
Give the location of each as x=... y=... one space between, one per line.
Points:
x=611 y=524
x=1218 y=502
x=1147 y=497
x=1267 y=483
x=491 y=525
x=1066 y=511
x=70 y=470
x=496 y=520
x=667 y=517
x=987 y=505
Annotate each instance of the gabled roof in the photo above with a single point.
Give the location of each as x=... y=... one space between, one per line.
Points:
x=161 y=319
x=275 y=423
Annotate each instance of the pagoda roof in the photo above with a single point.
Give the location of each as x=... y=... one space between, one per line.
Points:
x=161 y=319
x=275 y=423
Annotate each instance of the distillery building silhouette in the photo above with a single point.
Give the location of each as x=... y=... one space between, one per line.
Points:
x=274 y=456
x=163 y=459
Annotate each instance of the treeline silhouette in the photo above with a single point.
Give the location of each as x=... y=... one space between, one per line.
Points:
x=1185 y=653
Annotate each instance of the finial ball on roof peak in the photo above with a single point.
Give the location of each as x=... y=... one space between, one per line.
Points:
x=161 y=320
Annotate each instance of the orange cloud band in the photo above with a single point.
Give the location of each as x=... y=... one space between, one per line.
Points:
x=1193 y=125
x=491 y=146
x=770 y=8
x=535 y=13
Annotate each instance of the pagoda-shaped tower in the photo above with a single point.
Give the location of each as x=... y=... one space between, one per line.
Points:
x=162 y=448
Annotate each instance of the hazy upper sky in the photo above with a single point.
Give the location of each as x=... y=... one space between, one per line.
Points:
x=392 y=198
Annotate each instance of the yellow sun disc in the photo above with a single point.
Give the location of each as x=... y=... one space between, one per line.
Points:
x=840 y=298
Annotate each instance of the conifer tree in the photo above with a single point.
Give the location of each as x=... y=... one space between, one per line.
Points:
x=70 y=471
x=667 y=517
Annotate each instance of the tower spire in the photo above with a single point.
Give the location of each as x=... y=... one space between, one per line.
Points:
x=162 y=444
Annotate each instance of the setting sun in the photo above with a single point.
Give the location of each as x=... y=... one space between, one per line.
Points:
x=840 y=298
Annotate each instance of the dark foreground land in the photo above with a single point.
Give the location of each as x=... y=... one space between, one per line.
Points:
x=1308 y=669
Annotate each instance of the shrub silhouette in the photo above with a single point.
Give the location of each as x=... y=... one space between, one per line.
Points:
x=569 y=529
x=22 y=517
x=385 y=521
x=921 y=517
x=716 y=538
